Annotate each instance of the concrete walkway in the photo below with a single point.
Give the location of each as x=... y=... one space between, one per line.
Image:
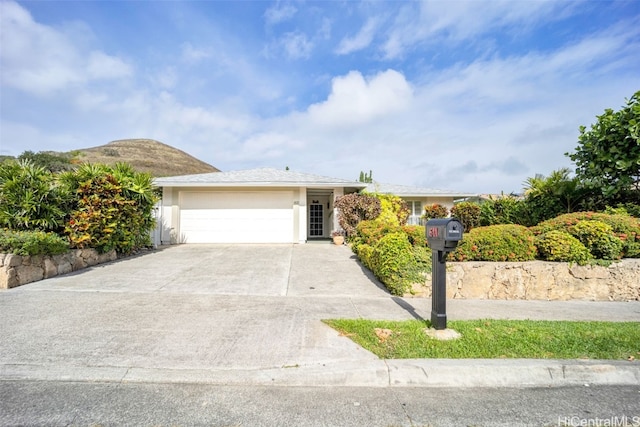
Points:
x=251 y=314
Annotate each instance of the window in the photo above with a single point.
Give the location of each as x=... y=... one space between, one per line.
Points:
x=415 y=212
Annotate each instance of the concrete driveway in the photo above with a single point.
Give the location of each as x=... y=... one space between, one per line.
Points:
x=267 y=270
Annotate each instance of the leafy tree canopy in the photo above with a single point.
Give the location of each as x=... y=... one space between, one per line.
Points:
x=608 y=154
x=52 y=161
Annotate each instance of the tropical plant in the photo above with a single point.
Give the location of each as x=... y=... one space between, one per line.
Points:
x=114 y=209
x=548 y=197
x=30 y=197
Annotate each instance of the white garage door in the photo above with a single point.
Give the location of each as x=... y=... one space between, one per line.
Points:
x=238 y=217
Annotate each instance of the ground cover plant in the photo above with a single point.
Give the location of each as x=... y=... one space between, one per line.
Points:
x=486 y=339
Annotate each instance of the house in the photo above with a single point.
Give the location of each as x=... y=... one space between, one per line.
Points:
x=265 y=206
x=249 y=206
x=418 y=197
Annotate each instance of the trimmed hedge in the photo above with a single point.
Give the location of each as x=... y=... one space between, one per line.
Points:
x=32 y=243
x=398 y=256
x=624 y=227
x=598 y=237
x=504 y=242
x=393 y=262
x=558 y=245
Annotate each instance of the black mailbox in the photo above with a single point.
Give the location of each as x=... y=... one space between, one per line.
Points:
x=443 y=234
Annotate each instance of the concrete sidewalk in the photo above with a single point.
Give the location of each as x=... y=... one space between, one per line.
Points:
x=251 y=314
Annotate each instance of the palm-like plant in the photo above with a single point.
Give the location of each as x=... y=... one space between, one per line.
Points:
x=30 y=197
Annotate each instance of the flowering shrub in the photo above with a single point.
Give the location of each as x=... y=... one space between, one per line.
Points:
x=435 y=210
x=624 y=227
x=598 y=238
x=558 y=245
x=504 y=242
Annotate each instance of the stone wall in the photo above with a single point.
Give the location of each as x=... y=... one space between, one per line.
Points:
x=540 y=280
x=17 y=270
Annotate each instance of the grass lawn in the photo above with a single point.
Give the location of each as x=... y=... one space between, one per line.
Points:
x=489 y=339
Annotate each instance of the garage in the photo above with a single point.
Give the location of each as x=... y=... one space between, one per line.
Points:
x=236 y=217
x=263 y=205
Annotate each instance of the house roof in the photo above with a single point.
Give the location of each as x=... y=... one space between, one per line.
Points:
x=262 y=177
x=409 y=191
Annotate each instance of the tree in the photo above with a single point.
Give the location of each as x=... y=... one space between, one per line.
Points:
x=548 y=197
x=52 y=161
x=366 y=178
x=608 y=155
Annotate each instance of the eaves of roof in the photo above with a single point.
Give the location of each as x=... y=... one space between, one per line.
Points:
x=263 y=177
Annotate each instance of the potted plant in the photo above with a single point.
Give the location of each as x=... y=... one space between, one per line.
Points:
x=338 y=237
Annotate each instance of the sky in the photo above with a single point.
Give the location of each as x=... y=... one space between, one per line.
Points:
x=469 y=96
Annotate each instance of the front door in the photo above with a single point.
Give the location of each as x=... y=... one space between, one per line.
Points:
x=316 y=220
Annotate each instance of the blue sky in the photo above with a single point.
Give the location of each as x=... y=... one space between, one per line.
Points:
x=472 y=96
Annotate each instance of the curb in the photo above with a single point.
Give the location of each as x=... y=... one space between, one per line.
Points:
x=378 y=373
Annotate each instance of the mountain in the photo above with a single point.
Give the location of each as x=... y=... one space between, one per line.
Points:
x=145 y=155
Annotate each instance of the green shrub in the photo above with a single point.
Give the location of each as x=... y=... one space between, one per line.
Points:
x=371 y=231
x=32 y=243
x=113 y=210
x=435 y=210
x=468 y=213
x=364 y=253
x=504 y=210
x=625 y=227
x=505 y=242
x=393 y=209
x=393 y=262
x=557 y=245
x=416 y=235
x=598 y=237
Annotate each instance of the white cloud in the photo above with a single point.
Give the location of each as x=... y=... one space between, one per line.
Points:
x=354 y=100
x=102 y=66
x=439 y=21
x=296 y=45
x=361 y=40
x=193 y=55
x=39 y=60
x=279 y=13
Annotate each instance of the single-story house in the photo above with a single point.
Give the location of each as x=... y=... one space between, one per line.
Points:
x=259 y=206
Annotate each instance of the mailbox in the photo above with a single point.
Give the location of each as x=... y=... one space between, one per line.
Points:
x=443 y=234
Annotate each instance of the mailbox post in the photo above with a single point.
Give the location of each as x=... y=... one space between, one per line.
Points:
x=443 y=235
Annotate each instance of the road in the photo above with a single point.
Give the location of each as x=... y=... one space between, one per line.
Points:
x=57 y=403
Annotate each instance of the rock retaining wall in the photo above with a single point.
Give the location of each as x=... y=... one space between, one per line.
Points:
x=540 y=280
x=17 y=270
